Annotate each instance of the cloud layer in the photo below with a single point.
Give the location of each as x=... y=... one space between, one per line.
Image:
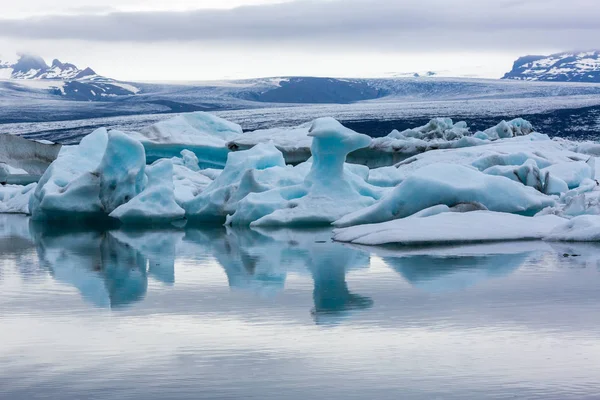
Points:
x=394 y=25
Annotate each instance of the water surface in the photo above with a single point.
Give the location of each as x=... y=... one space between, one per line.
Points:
x=288 y=314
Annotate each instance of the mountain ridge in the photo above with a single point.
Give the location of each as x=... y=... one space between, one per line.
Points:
x=63 y=79
x=569 y=66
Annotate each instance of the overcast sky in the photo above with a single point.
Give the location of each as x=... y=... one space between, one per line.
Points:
x=217 y=39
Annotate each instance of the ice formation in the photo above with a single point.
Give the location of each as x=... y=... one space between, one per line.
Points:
x=328 y=192
x=203 y=169
x=293 y=142
x=450 y=184
x=250 y=171
x=14 y=199
x=156 y=203
x=204 y=134
x=31 y=156
x=583 y=228
x=91 y=179
x=475 y=226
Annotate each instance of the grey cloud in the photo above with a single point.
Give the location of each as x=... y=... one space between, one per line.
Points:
x=376 y=24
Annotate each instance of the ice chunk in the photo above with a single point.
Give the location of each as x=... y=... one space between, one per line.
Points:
x=190 y=160
x=437 y=128
x=572 y=173
x=204 y=134
x=91 y=179
x=156 y=203
x=328 y=191
x=584 y=228
x=121 y=171
x=7 y=170
x=238 y=179
x=530 y=175
x=386 y=176
x=476 y=226
x=188 y=184
x=450 y=184
x=294 y=142
x=515 y=127
x=14 y=199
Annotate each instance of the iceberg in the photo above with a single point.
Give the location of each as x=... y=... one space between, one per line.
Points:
x=28 y=155
x=504 y=130
x=201 y=133
x=450 y=184
x=328 y=192
x=583 y=228
x=156 y=203
x=451 y=228
x=255 y=170
x=92 y=179
x=293 y=142
x=573 y=173
x=14 y=199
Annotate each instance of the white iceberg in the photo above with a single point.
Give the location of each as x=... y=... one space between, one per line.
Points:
x=31 y=156
x=450 y=184
x=14 y=199
x=584 y=228
x=448 y=228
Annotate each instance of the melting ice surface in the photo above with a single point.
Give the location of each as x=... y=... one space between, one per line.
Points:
x=269 y=314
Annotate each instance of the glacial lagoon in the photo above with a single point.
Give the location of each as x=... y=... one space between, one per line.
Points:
x=218 y=313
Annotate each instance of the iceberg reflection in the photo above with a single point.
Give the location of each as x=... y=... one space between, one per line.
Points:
x=450 y=269
x=111 y=268
x=106 y=271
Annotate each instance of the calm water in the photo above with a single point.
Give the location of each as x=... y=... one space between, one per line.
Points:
x=216 y=314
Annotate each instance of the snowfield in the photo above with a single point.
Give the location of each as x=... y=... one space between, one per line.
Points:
x=450 y=185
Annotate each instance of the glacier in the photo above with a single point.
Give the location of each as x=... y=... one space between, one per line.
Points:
x=440 y=182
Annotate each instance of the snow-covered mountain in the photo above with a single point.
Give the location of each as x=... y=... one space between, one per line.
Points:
x=62 y=79
x=560 y=67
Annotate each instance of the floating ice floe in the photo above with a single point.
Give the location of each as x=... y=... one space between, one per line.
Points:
x=448 y=228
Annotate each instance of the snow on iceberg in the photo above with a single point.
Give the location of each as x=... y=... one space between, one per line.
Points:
x=91 y=179
x=328 y=192
x=204 y=134
x=447 y=228
x=450 y=184
x=584 y=228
